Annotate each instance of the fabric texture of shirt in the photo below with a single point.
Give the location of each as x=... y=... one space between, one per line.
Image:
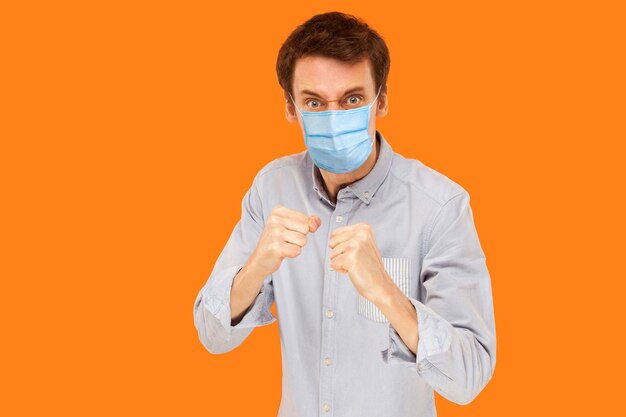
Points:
x=340 y=356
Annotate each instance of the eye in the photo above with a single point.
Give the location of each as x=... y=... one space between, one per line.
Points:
x=314 y=104
x=354 y=100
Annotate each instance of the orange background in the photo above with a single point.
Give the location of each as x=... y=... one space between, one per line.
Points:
x=131 y=131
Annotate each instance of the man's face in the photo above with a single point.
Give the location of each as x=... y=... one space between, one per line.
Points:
x=322 y=83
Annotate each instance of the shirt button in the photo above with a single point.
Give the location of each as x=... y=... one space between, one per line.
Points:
x=326 y=407
x=330 y=314
x=327 y=361
x=366 y=194
x=339 y=219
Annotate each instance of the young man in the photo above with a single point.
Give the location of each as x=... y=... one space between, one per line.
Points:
x=381 y=286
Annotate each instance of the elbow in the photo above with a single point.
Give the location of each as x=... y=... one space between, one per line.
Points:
x=211 y=334
x=464 y=394
x=464 y=398
x=213 y=346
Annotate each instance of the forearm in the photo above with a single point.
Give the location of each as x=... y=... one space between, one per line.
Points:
x=450 y=359
x=400 y=312
x=246 y=286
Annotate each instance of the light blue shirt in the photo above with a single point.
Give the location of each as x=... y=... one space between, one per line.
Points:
x=340 y=356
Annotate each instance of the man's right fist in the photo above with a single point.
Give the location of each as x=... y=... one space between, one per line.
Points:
x=284 y=235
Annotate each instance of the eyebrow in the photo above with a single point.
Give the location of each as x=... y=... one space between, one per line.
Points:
x=352 y=90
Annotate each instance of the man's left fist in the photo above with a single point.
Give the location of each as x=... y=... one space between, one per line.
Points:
x=354 y=252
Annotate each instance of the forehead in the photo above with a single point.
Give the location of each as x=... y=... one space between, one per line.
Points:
x=330 y=77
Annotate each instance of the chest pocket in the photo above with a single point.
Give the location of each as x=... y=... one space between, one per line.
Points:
x=399 y=271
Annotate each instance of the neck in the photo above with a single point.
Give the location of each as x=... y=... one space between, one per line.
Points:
x=335 y=182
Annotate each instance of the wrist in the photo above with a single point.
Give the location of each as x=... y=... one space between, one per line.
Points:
x=388 y=292
x=251 y=272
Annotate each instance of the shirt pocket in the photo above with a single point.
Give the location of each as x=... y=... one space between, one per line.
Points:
x=399 y=271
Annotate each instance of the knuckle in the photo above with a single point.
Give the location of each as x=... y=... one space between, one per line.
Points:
x=275 y=231
x=276 y=246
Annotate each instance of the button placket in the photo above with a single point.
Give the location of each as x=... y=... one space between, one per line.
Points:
x=328 y=323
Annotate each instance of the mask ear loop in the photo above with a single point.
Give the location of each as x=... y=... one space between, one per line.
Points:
x=294 y=104
x=379 y=88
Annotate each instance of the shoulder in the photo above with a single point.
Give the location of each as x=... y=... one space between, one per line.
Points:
x=283 y=169
x=288 y=162
x=425 y=180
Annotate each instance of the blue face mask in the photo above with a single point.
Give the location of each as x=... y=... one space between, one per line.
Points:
x=338 y=140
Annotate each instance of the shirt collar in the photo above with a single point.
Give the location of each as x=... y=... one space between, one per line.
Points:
x=366 y=187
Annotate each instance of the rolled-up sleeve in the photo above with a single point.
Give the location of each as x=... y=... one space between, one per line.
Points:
x=212 y=313
x=456 y=352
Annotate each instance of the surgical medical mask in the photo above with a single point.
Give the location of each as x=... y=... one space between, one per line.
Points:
x=338 y=140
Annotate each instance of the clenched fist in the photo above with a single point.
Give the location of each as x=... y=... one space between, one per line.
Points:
x=284 y=235
x=355 y=252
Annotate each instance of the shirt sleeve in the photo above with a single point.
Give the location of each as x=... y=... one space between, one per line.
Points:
x=456 y=352
x=212 y=313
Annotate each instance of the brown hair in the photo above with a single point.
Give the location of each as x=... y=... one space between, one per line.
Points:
x=334 y=35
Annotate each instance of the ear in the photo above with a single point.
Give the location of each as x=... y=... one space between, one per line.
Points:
x=382 y=106
x=290 y=109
